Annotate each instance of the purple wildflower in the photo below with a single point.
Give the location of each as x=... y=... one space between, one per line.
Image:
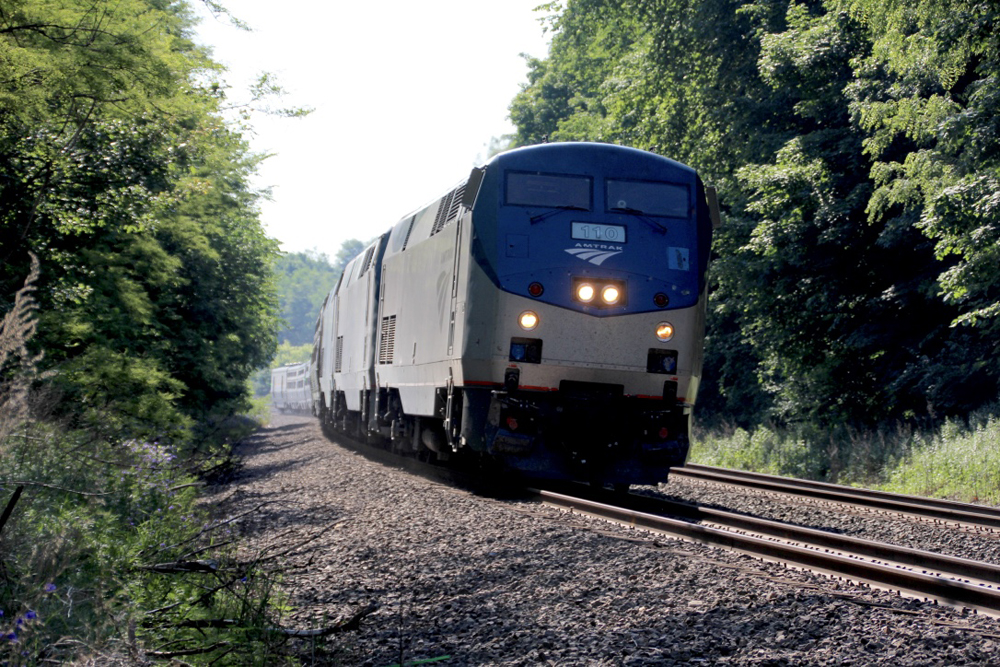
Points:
x=31 y=615
x=49 y=588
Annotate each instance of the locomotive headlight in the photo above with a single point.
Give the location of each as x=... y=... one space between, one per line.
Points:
x=585 y=292
x=528 y=320
x=664 y=331
x=610 y=294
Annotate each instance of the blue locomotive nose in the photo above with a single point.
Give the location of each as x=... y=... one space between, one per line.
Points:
x=593 y=232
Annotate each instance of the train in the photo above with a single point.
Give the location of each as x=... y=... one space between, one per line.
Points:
x=545 y=317
x=291 y=389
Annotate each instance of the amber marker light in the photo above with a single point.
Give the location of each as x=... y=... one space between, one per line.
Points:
x=585 y=292
x=528 y=320
x=610 y=294
x=664 y=331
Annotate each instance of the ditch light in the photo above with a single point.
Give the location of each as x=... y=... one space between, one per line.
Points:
x=599 y=292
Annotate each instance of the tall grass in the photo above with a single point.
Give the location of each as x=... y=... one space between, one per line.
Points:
x=961 y=463
x=960 y=460
x=765 y=449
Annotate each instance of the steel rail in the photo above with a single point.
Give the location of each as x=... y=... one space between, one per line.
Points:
x=819 y=558
x=984 y=597
x=944 y=510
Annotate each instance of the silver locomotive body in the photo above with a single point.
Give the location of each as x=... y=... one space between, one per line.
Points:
x=547 y=314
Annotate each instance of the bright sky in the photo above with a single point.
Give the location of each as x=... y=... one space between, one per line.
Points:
x=406 y=95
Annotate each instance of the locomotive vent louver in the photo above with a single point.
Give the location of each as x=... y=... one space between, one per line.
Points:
x=442 y=213
x=387 y=340
x=448 y=209
x=339 y=354
x=367 y=262
x=456 y=203
x=409 y=228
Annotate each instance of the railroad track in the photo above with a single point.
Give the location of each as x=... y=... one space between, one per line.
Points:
x=954 y=581
x=977 y=517
x=950 y=580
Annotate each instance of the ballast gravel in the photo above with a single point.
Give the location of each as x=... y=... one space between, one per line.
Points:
x=460 y=579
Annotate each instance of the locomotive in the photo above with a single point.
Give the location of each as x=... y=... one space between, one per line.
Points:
x=544 y=316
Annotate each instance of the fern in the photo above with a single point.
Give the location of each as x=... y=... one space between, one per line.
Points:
x=17 y=364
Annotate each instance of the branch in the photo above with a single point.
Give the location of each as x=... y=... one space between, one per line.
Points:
x=184 y=486
x=206 y=596
x=215 y=526
x=56 y=488
x=191 y=651
x=218 y=545
x=348 y=624
x=352 y=622
x=10 y=506
x=291 y=548
x=183 y=567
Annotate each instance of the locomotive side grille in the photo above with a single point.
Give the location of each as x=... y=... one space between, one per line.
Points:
x=442 y=213
x=339 y=354
x=387 y=340
x=456 y=203
x=409 y=228
x=366 y=263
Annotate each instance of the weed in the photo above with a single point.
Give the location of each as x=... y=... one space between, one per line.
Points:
x=960 y=460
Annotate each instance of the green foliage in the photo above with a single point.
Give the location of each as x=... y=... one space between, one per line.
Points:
x=116 y=396
x=762 y=450
x=120 y=175
x=286 y=354
x=349 y=249
x=928 y=98
x=841 y=455
x=960 y=463
x=854 y=146
x=99 y=530
x=87 y=556
x=303 y=281
x=291 y=354
x=153 y=304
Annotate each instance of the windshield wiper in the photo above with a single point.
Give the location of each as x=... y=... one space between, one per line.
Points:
x=640 y=214
x=557 y=209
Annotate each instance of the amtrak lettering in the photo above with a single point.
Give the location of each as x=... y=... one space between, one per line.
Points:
x=595 y=253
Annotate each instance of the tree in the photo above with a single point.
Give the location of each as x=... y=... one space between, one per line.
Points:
x=156 y=297
x=927 y=95
x=303 y=281
x=853 y=146
x=349 y=249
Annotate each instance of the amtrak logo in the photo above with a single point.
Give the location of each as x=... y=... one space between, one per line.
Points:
x=595 y=253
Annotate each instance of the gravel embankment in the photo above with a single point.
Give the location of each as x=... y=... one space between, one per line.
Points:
x=511 y=583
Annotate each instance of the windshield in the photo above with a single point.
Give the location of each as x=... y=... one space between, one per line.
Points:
x=649 y=198
x=549 y=190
